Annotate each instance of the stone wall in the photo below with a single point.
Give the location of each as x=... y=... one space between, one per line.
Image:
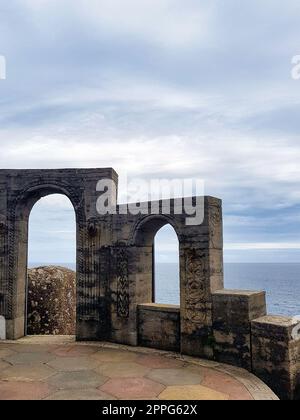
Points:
x=159 y=326
x=2 y=328
x=233 y=311
x=276 y=354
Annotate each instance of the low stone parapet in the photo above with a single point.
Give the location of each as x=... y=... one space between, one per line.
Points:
x=276 y=354
x=159 y=326
x=233 y=311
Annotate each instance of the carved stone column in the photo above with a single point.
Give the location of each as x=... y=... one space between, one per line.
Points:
x=201 y=272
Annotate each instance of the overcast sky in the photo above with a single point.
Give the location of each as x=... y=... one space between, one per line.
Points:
x=163 y=88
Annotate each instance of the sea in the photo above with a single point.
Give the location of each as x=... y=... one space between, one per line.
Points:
x=281 y=281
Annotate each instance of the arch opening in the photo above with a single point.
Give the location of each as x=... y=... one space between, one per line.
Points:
x=50 y=307
x=159 y=311
x=166 y=267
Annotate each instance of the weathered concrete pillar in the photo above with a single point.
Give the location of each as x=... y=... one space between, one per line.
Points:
x=276 y=354
x=233 y=311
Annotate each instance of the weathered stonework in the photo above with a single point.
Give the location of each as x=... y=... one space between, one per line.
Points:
x=114 y=282
x=233 y=311
x=19 y=191
x=159 y=326
x=51 y=302
x=276 y=354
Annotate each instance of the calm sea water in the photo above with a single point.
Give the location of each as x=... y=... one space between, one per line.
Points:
x=280 y=281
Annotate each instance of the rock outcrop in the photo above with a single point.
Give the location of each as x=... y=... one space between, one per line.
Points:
x=51 y=306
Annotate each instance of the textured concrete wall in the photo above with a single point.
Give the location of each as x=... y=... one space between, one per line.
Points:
x=233 y=311
x=276 y=355
x=159 y=326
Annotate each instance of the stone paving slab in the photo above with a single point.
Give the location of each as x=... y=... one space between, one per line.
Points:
x=175 y=377
x=57 y=368
x=192 y=392
x=157 y=362
x=3 y=365
x=72 y=364
x=29 y=358
x=80 y=395
x=131 y=388
x=122 y=370
x=26 y=373
x=24 y=391
x=5 y=353
x=77 y=380
x=112 y=355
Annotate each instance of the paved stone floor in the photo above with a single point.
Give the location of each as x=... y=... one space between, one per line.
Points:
x=57 y=368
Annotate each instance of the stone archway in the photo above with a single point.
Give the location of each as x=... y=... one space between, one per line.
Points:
x=166 y=266
x=20 y=190
x=143 y=237
x=50 y=307
x=114 y=258
x=18 y=246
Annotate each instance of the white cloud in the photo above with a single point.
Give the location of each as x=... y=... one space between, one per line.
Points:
x=166 y=23
x=159 y=87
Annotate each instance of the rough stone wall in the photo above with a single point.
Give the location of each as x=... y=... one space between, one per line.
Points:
x=51 y=303
x=2 y=328
x=276 y=354
x=159 y=326
x=233 y=311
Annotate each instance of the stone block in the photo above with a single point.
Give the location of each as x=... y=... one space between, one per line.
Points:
x=233 y=311
x=2 y=328
x=51 y=305
x=159 y=326
x=276 y=354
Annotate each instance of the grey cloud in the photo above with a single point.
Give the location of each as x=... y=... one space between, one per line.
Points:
x=204 y=92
